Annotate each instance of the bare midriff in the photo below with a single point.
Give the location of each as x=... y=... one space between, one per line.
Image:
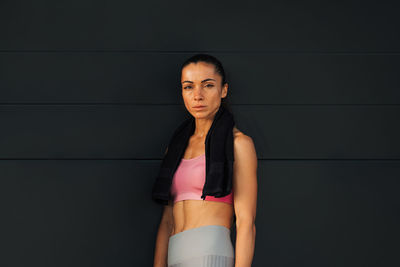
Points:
x=190 y=214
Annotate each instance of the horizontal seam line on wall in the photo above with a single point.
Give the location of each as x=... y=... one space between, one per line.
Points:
x=166 y=104
x=199 y=51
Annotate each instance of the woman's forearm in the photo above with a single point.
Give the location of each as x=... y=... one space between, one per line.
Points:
x=245 y=244
x=161 y=248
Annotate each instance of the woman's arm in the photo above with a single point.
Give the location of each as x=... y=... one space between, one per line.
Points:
x=245 y=199
x=164 y=231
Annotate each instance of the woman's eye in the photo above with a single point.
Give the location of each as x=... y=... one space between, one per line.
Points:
x=190 y=87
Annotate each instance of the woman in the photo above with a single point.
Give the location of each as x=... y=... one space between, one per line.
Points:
x=195 y=227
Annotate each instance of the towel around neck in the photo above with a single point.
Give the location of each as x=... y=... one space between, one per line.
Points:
x=218 y=152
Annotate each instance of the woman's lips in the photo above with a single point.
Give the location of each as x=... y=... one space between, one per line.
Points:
x=199 y=107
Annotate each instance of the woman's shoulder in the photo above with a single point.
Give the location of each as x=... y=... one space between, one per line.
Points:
x=241 y=139
x=244 y=145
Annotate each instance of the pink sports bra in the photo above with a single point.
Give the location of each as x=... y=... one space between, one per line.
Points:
x=188 y=181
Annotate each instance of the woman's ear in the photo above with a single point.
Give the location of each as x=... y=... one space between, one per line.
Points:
x=225 y=90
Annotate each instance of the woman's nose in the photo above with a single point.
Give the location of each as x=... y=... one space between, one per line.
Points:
x=198 y=93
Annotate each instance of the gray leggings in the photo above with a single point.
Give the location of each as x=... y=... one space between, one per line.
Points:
x=204 y=246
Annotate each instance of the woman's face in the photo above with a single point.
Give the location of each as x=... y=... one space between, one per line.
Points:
x=201 y=86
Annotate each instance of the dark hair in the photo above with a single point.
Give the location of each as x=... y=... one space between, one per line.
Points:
x=218 y=68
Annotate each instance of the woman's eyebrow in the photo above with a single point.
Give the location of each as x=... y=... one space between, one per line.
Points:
x=209 y=79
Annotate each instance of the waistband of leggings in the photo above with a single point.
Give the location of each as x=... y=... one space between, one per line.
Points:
x=202 y=228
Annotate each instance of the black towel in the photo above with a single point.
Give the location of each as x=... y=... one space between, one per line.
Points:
x=219 y=157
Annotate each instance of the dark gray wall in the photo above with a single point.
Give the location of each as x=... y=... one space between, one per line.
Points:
x=89 y=97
